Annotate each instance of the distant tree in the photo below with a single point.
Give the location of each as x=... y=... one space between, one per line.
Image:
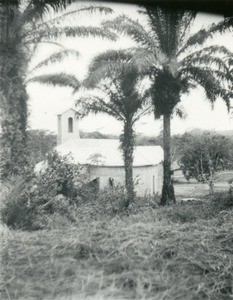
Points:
x=96 y=159
x=168 y=53
x=23 y=26
x=202 y=155
x=96 y=135
x=40 y=142
x=158 y=140
x=142 y=140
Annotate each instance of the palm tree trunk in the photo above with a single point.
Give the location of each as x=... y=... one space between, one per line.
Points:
x=168 y=194
x=127 y=141
x=13 y=105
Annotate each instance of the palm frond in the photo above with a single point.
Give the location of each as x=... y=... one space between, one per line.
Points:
x=203 y=34
x=212 y=61
x=106 y=71
x=180 y=112
x=71 y=31
x=107 y=64
x=127 y=26
x=59 y=19
x=146 y=61
x=96 y=104
x=59 y=79
x=167 y=27
x=45 y=42
x=211 y=82
x=187 y=75
x=36 y=9
x=185 y=26
x=211 y=50
x=222 y=26
x=89 y=9
x=124 y=55
x=56 y=57
x=146 y=111
x=154 y=21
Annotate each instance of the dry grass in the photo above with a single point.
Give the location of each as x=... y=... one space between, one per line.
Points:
x=150 y=254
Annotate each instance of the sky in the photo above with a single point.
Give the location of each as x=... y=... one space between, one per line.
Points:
x=45 y=102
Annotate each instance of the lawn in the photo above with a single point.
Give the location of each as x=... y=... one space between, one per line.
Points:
x=197 y=190
x=176 y=252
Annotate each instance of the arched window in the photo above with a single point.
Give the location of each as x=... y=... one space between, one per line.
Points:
x=70 y=124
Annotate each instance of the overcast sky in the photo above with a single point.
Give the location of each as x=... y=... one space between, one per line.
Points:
x=46 y=101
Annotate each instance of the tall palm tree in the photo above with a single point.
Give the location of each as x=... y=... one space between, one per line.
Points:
x=122 y=100
x=176 y=61
x=23 y=25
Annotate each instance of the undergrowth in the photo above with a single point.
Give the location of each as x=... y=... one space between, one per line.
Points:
x=177 y=252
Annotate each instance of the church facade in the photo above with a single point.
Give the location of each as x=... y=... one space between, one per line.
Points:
x=104 y=159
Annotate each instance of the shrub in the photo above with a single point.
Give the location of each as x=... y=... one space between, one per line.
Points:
x=15 y=208
x=191 y=211
x=107 y=203
x=222 y=200
x=183 y=212
x=62 y=174
x=112 y=201
x=30 y=202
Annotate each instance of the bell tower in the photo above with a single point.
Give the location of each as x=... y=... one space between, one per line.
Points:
x=68 y=126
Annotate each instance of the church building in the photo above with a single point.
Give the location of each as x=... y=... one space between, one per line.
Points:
x=104 y=157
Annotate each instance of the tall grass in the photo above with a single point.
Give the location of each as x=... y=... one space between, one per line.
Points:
x=151 y=253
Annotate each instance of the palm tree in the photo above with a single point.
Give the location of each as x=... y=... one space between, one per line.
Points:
x=122 y=100
x=169 y=54
x=23 y=25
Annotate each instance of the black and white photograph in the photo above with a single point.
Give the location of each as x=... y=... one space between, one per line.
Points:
x=116 y=150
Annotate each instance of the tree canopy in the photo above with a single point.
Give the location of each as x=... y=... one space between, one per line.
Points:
x=201 y=154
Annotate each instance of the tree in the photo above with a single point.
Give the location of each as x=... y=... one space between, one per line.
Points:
x=122 y=100
x=169 y=54
x=201 y=155
x=23 y=25
x=40 y=142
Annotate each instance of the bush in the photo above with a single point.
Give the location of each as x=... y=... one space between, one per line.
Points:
x=61 y=175
x=107 y=203
x=222 y=201
x=15 y=208
x=29 y=202
x=188 y=212
x=112 y=201
x=191 y=211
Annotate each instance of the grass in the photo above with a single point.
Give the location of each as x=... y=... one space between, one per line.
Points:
x=177 y=252
x=194 y=189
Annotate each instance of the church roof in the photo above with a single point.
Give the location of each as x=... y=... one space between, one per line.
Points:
x=64 y=111
x=106 y=152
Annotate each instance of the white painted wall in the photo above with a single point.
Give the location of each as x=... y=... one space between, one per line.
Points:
x=149 y=178
x=63 y=132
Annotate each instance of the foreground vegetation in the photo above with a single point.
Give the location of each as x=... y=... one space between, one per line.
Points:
x=182 y=251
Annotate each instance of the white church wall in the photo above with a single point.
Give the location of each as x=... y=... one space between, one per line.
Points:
x=149 y=178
